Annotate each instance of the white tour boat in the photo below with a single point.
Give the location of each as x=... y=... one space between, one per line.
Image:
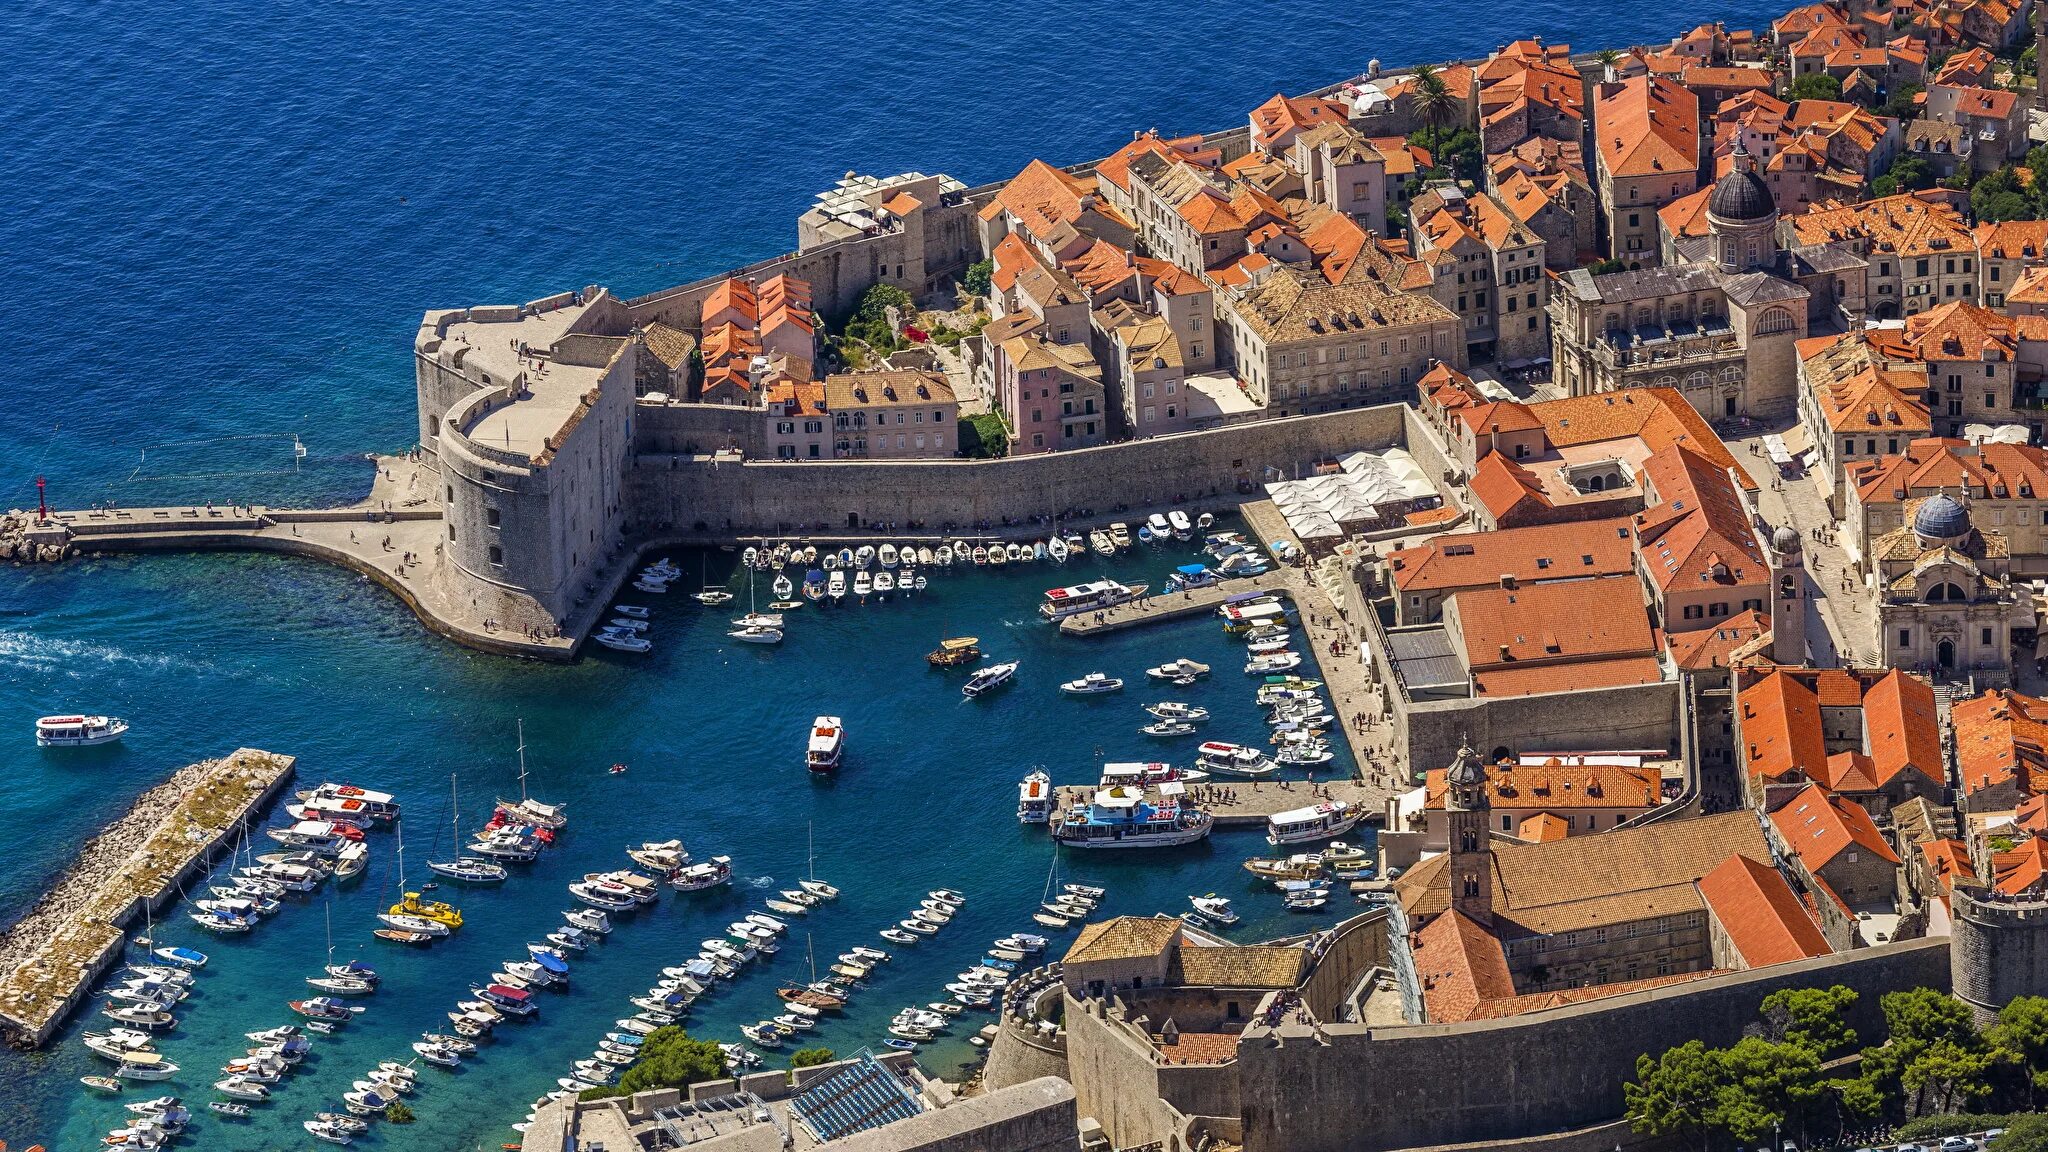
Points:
x=1320 y=822
x=828 y=742
x=1092 y=684
x=1035 y=799
x=1093 y=596
x=78 y=731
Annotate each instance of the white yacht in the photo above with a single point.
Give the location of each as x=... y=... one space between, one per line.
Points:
x=1035 y=799
x=78 y=731
x=1095 y=595
x=1092 y=684
x=1331 y=818
x=990 y=677
x=1183 y=528
x=828 y=742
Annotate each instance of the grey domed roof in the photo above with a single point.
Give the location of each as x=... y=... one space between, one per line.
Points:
x=1740 y=196
x=1785 y=539
x=1467 y=770
x=1941 y=517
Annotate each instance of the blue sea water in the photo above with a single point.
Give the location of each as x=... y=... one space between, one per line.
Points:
x=221 y=225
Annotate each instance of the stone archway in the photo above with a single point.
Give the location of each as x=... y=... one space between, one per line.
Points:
x=1945 y=655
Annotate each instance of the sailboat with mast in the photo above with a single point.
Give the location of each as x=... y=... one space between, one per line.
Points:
x=708 y=594
x=1057 y=908
x=351 y=979
x=757 y=627
x=469 y=869
x=813 y=885
x=410 y=914
x=528 y=810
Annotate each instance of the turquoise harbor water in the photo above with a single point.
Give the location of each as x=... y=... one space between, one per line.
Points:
x=713 y=734
x=224 y=221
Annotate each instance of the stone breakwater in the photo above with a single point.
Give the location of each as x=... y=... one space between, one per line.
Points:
x=16 y=546
x=50 y=957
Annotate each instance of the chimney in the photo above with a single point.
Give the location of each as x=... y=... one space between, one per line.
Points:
x=1507 y=581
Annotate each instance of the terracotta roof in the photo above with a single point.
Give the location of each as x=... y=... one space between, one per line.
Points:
x=1781 y=728
x=1123 y=938
x=1697 y=536
x=1574 y=551
x=1661 y=417
x=1461 y=966
x=736 y=295
x=1818 y=827
x=1961 y=331
x=2031 y=287
x=1949 y=860
x=1716 y=647
x=1503 y=487
x=1879 y=399
x=1555 y=637
x=1764 y=921
x=1905 y=225
x=891 y=388
x=1984 y=103
x=2000 y=737
x=1612 y=878
x=2021 y=870
x=1043 y=197
x=1900 y=728
x=1687 y=215
x=1284 y=114
x=1197 y=1048
x=1542 y=827
x=1556 y=786
x=671 y=346
x=1245 y=966
x=1116 y=167
x=1649 y=127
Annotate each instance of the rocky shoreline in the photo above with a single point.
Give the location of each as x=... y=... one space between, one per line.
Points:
x=16 y=547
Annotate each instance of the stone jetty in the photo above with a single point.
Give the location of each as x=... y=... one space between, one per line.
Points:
x=1172 y=605
x=49 y=959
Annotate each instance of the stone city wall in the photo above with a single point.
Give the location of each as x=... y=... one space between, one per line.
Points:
x=1403 y=1087
x=675 y=494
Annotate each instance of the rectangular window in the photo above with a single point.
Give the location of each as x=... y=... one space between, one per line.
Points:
x=497 y=554
x=491 y=517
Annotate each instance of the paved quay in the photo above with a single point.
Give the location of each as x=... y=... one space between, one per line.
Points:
x=1172 y=605
x=50 y=958
x=1252 y=801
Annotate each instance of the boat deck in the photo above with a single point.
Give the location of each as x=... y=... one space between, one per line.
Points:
x=1171 y=605
x=50 y=959
x=1256 y=799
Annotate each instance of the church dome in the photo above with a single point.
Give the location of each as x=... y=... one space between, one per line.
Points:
x=1785 y=540
x=1941 y=517
x=1741 y=196
x=1467 y=771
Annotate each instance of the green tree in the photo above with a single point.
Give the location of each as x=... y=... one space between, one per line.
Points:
x=983 y=437
x=1433 y=103
x=1765 y=1086
x=2026 y=1133
x=1934 y=1057
x=1816 y=86
x=1898 y=103
x=2021 y=1038
x=809 y=1057
x=670 y=1059
x=1675 y=1094
x=397 y=1113
x=1998 y=196
x=979 y=277
x=1812 y=1018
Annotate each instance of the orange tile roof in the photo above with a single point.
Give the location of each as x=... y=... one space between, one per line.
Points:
x=2021 y=870
x=1651 y=126
x=1900 y=728
x=732 y=294
x=1335 y=242
x=1284 y=114
x=1819 y=827
x=1781 y=728
x=1116 y=167
x=1764 y=921
x=1504 y=487
x=1461 y=966
x=1542 y=828
x=1209 y=213
x=1661 y=417
x=1950 y=861
x=2000 y=736
x=1042 y=198
x=1697 y=536
x=2014 y=239
x=1573 y=551
x=1984 y=103
x=1715 y=647
x=1879 y=398
x=1960 y=331
x=1556 y=786
x=1903 y=224
x=1687 y=215
x=1554 y=637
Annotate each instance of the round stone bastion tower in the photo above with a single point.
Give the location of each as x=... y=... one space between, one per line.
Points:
x=1998 y=948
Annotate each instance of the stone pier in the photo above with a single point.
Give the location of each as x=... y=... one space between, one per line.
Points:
x=51 y=957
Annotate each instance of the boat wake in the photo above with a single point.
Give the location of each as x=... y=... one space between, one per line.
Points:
x=48 y=653
x=762 y=882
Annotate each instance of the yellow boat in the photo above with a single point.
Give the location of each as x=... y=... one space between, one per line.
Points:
x=437 y=910
x=955 y=652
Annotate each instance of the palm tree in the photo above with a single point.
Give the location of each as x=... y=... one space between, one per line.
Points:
x=1606 y=57
x=1432 y=103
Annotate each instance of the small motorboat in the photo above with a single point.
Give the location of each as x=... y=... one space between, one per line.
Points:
x=242 y=1088
x=1166 y=728
x=1271 y=663
x=1179 y=671
x=619 y=642
x=1057 y=549
x=1094 y=683
x=229 y=1108
x=989 y=678
x=897 y=936
x=658 y=855
x=1215 y=908
x=101 y=1083
x=588 y=920
x=819 y=888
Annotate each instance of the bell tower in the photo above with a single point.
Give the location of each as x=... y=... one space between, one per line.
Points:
x=1468 y=807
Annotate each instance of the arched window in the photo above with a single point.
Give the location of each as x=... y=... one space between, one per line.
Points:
x=1944 y=594
x=1775 y=320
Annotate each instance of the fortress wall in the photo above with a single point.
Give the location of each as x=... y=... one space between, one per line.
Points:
x=1404 y=1087
x=674 y=493
x=698 y=429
